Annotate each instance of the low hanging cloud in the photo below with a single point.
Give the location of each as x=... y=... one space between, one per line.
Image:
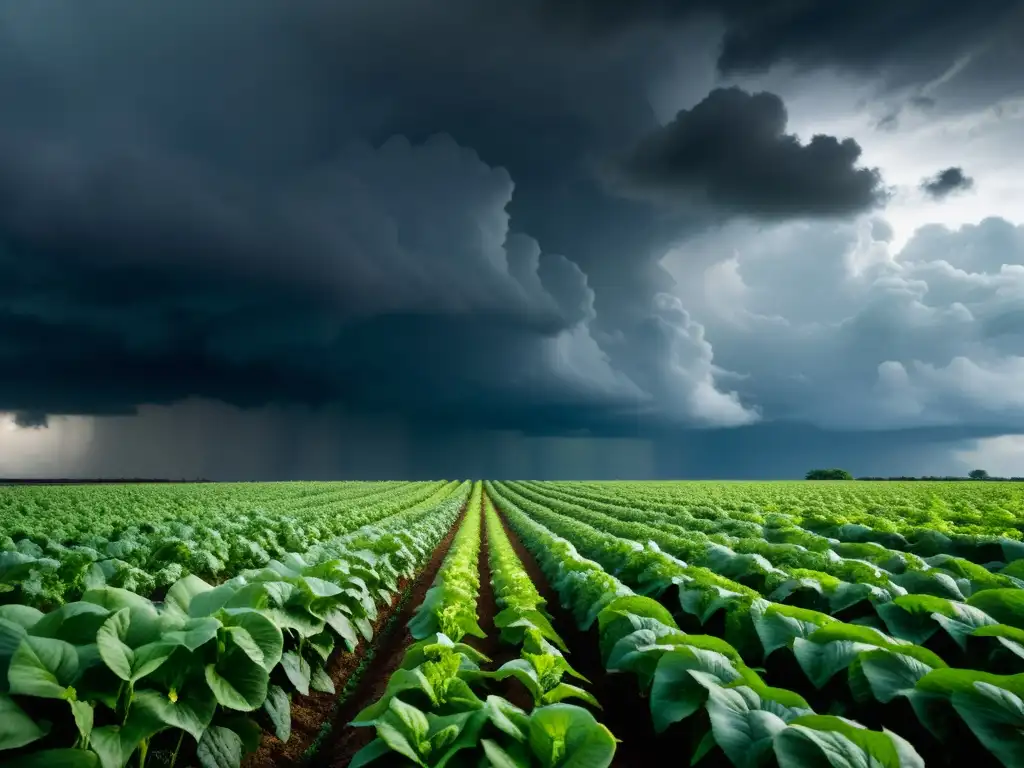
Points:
x=947 y=182
x=731 y=151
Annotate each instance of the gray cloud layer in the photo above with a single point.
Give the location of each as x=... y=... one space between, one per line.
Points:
x=398 y=208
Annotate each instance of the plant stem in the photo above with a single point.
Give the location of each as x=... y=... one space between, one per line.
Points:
x=174 y=754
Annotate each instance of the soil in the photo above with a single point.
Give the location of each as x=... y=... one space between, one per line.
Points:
x=343 y=742
x=310 y=713
x=625 y=713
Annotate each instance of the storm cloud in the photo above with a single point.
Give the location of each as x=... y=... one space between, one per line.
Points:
x=477 y=223
x=732 y=151
x=946 y=182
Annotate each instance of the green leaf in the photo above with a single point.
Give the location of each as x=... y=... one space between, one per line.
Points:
x=43 y=667
x=179 y=596
x=1006 y=606
x=264 y=634
x=23 y=615
x=278 y=707
x=129 y=665
x=743 y=730
x=84 y=714
x=191 y=710
x=320 y=680
x=341 y=624
x=75 y=623
x=564 y=691
x=237 y=683
x=675 y=693
x=372 y=751
x=892 y=674
x=821 y=661
x=16 y=728
x=996 y=716
x=707 y=743
x=498 y=757
x=115 y=744
x=567 y=736
x=194 y=634
x=220 y=748
x=824 y=740
x=298 y=671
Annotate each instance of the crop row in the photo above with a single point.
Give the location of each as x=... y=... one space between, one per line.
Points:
x=882 y=669
x=113 y=675
x=682 y=675
x=43 y=571
x=432 y=710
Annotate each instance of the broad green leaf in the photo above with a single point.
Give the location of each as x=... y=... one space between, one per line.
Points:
x=567 y=736
x=996 y=716
x=237 y=683
x=320 y=681
x=84 y=713
x=278 y=706
x=298 y=671
x=264 y=634
x=743 y=730
x=43 y=667
x=891 y=674
x=675 y=693
x=498 y=757
x=1006 y=606
x=826 y=741
x=194 y=633
x=372 y=751
x=22 y=615
x=76 y=623
x=220 y=748
x=16 y=728
x=821 y=661
x=190 y=711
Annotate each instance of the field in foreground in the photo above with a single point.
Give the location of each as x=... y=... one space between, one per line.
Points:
x=513 y=624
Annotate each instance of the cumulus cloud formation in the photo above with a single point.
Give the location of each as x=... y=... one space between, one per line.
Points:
x=250 y=205
x=930 y=336
x=946 y=182
x=732 y=151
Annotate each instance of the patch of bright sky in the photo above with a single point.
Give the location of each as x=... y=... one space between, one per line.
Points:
x=999 y=456
x=984 y=142
x=55 y=450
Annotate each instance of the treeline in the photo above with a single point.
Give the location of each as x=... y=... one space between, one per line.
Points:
x=949 y=478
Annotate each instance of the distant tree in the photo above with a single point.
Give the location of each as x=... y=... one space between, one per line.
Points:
x=978 y=474
x=828 y=474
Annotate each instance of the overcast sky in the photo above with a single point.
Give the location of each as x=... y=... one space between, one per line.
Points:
x=258 y=239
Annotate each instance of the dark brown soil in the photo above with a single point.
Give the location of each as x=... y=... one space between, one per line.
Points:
x=309 y=713
x=343 y=741
x=625 y=713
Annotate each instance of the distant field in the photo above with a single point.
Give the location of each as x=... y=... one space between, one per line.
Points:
x=788 y=624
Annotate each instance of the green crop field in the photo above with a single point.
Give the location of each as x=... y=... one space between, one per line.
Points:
x=553 y=624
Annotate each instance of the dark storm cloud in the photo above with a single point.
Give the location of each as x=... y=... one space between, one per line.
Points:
x=920 y=37
x=732 y=151
x=946 y=182
x=30 y=419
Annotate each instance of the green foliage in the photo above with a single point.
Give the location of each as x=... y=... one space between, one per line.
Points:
x=196 y=661
x=828 y=474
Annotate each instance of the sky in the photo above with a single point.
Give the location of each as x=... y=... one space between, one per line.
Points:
x=265 y=240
